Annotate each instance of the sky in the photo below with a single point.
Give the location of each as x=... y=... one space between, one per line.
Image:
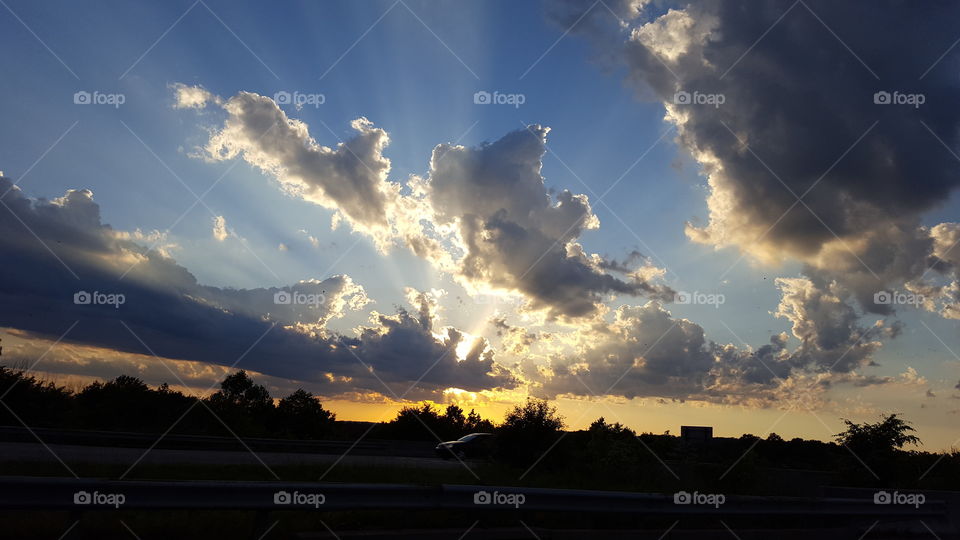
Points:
x=721 y=213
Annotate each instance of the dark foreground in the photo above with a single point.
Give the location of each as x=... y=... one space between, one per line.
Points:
x=35 y=507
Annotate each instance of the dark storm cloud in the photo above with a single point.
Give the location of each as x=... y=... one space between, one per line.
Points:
x=780 y=100
x=800 y=99
x=180 y=319
x=799 y=118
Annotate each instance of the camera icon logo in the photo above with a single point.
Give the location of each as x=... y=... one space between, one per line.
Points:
x=682 y=497
x=681 y=98
x=283 y=98
x=682 y=297
x=81 y=497
x=82 y=298
x=882 y=497
x=882 y=298
x=282 y=297
x=482 y=497
x=482 y=98
x=881 y=98
x=281 y=497
x=82 y=98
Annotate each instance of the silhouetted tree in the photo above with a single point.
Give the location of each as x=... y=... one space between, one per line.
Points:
x=301 y=415
x=528 y=431
x=476 y=424
x=239 y=390
x=425 y=423
x=421 y=422
x=885 y=436
x=611 y=450
x=120 y=404
x=878 y=446
x=246 y=407
x=454 y=418
x=35 y=402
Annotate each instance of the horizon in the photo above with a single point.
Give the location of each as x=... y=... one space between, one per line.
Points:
x=337 y=407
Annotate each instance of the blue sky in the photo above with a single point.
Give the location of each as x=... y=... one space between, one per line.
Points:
x=412 y=68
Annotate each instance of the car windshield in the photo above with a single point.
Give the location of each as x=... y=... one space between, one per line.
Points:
x=470 y=437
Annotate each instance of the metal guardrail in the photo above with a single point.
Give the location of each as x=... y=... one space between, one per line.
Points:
x=33 y=493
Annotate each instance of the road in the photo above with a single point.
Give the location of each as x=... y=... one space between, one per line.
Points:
x=36 y=452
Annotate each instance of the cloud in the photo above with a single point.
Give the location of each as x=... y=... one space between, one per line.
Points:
x=278 y=331
x=827 y=327
x=192 y=97
x=646 y=352
x=516 y=237
x=482 y=214
x=944 y=298
x=402 y=347
x=220 y=232
x=350 y=179
x=516 y=340
x=643 y=352
x=788 y=118
x=775 y=108
x=807 y=126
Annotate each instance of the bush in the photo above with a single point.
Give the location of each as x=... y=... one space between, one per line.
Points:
x=300 y=415
x=32 y=401
x=529 y=433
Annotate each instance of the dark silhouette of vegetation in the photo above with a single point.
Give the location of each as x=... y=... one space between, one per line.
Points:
x=883 y=437
x=243 y=405
x=37 y=403
x=127 y=404
x=528 y=432
x=301 y=416
x=612 y=447
x=879 y=447
x=426 y=423
x=531 y=440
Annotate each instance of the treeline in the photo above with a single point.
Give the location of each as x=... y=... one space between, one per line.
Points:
x=128 y=404
x=240 y=406
x=531 y=438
